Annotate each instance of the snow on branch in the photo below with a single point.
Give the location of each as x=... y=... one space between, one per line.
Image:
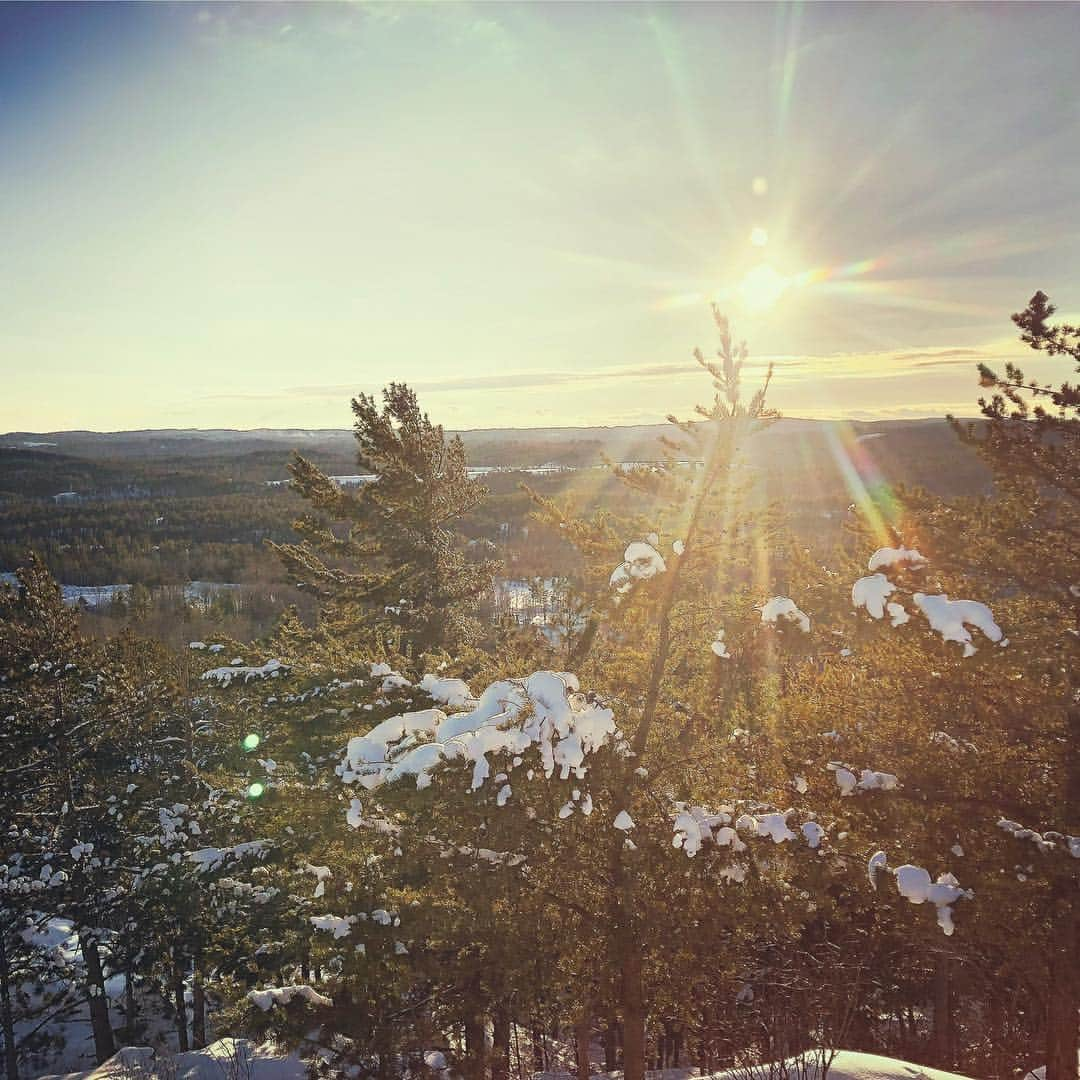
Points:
x=694 y=826
x=282 y=995
x=225 y=675
x=338 y=925
x=453 y=693
x=543 y=710
x=322 y=875
x=782 y=607
x=719 y=645
x=901 y=556
x=951 y=618
x=213 y=858
x=872 y=593
x=914 y=884
x=868 y=780
x=1047 y=841
x=641 y=561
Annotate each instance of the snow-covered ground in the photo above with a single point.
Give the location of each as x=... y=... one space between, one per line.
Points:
x=216 y=1062
x=70 y=1042
x=849 y=1065
x=225 y=1059
x=91 y=595
x=197 y=593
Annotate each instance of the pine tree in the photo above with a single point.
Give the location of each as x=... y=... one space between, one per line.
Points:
x=705 y=524
x=601 y=852
x=78 y=712
x=394 y=571
x=1031 y=440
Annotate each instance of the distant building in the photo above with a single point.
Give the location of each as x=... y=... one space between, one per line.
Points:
x=67 y=497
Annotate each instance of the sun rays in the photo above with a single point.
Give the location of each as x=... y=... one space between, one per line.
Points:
x=866 y=483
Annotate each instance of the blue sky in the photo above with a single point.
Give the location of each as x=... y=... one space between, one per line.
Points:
x=239 y=215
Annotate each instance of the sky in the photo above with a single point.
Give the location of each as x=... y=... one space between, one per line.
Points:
x=220 y=215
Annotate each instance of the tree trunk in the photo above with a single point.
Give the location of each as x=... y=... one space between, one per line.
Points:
x=941 y=1033
x=11 y=1057
x=996 y=1024
x=633 y=1013
x=583 y=1040
x=500 y=1038
x=611 y=1056
x=104 y=1046
x=474 y=1044
x=1063 y=994
x=130 y=1011
x=627 y=942
x=180 y=1006
x=198 y=1006
x=384 y=1050
x=539 y=1057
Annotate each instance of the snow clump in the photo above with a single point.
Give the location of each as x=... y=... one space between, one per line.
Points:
x=872 y=593
x=951 y=618
x=782 y=607
x=913 y=883
x=282 y=995
x=225 y=675
x=543 y=710
x=901 y=556
x=641 y=561
x=453 y=693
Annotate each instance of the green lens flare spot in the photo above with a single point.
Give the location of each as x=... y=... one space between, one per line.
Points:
x=255 y=790
x=251 y=741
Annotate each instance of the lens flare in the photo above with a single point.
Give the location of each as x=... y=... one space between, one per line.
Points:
x=761 y=286
x=821 y=274
x=865 y=481
x=255 y=790
x=251 y=741
x=759 y=236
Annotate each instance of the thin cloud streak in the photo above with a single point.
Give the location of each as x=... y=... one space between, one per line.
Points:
x=787 y=369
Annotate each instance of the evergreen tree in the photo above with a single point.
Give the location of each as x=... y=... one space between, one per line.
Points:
x=78 y=713
x=1031 y=441
x=598 y=849
x=394 y=570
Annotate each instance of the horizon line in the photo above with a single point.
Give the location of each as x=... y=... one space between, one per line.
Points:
x=462 y=431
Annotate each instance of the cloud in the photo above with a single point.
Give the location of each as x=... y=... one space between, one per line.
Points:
x=516 y=380
x=930 y=410
x=788 y=369
x=931 y=356
x=882 y=383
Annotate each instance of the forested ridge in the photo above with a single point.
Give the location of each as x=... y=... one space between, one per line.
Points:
x=156 y=513
x=788 y=763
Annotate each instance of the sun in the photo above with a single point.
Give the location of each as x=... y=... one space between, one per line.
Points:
x=761 y=287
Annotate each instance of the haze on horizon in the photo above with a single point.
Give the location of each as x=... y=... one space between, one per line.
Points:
x=238 y=216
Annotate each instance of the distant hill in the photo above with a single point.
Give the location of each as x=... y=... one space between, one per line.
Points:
x=486 y=446
x=799 y=459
